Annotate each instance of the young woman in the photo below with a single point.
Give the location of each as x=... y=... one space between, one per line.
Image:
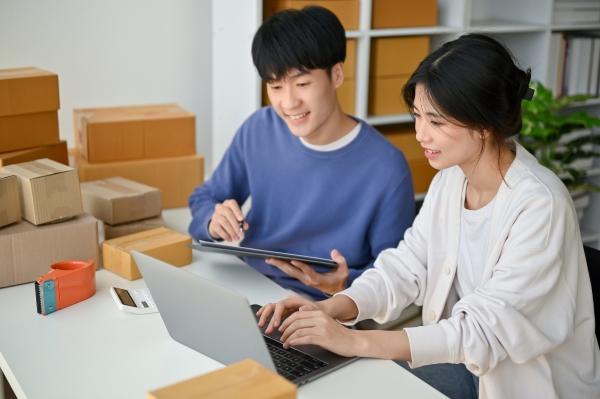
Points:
x=494 y=257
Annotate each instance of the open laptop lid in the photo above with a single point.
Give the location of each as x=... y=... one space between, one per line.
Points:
x=204 y=315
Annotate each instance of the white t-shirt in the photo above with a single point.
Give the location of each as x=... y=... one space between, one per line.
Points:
x=474 y=237
x=336 y=145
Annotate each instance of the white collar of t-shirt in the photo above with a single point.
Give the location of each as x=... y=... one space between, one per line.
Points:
x=336 y=145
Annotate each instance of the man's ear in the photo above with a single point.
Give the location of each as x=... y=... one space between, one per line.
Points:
x=337 y=74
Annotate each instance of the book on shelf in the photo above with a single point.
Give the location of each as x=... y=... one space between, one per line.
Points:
x=570 y=12
x=574 y=64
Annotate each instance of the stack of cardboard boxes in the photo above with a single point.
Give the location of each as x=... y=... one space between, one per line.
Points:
x=393 y=60
x=29 y=102
x=125 y=207
x=46 y=193
x=346 y=10
x=153 y=145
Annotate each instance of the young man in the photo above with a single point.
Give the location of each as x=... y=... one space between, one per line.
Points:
x=322 y=183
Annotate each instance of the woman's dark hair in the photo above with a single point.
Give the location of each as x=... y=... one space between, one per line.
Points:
x=298 y=40
x=476 y=81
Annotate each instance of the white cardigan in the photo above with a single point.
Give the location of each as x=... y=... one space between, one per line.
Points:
x=528 y=329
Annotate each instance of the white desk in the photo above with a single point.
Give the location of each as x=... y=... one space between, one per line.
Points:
x=93 y=350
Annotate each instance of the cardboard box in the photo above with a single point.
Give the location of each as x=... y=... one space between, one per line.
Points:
x=385 y=95
x=347 y=96
x=138 y=226
x=117 y=200
x=137 y=132
x=18 y=132
x=49 y=190
x=350 y=63
x=242 y=380
x=347 y=11
x=403 y=136
x=160 y=243
x=403 y=13
x=176 y=177
x=393 y=56
x=10 y=207
x=27 y=91
x=27 y=251
x=56 y=152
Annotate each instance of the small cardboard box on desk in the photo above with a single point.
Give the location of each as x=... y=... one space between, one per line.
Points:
x=242 y=380
x=117 y=200
x=27 y=251
x=49 y=190
x=10 y=208
x=138 y=226
x=161 y=243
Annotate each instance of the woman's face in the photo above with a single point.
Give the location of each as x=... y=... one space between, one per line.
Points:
x=445 y=142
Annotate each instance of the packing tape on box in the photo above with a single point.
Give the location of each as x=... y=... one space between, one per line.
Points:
x=66 y=283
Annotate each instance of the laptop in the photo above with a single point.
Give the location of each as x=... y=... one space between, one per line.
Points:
x=220 y=324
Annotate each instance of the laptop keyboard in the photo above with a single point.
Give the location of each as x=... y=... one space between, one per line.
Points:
x=291 y=363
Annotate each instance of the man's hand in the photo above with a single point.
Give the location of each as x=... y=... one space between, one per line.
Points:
x=225 y=222
x=330 y=283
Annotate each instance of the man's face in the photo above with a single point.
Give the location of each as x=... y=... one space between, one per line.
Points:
x=306 y=101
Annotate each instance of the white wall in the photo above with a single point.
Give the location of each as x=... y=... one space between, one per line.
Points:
x=116 y=52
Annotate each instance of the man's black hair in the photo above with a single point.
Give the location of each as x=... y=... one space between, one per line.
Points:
x=298 y=40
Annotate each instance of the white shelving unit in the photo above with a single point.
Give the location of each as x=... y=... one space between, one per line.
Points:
x=525 y=26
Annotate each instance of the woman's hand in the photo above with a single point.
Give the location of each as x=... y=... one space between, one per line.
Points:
x=315 y=327
x=330 y=283
x=283 y=309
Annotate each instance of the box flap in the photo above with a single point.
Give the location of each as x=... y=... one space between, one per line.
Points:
x=116 y=187
x=39 y=168
x=27 y=72
x=133 y=113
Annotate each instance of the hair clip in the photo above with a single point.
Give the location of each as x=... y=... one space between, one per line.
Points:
x=525 y=92
x=528 y=94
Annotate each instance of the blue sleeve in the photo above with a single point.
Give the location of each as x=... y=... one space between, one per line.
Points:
x=395 y=215
x=229 y=181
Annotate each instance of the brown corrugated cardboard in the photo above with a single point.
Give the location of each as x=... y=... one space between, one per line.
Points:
x=347 y=96
x=385 y=95
x=117 y=200
x=350 y=63
x=136 y=132
x=403 y=13
x=138 y=226
x=176 y=177
x=403 y=136
x=27 y=91
x=161 y=243
x=49 y=190
x=55 y=152
x=347 y=11
x=242 y=380
x=392 y=56
x=27 y=251
x=18 y=132
x=10 y=207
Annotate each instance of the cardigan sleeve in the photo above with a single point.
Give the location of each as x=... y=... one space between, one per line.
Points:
x=399 y=275
x=527 y=307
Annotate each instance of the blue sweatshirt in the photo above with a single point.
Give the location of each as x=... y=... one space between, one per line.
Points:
x=358 y=199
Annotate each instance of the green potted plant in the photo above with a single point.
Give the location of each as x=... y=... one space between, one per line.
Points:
x=550 y=137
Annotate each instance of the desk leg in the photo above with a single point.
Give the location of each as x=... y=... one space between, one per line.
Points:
x=1 y=385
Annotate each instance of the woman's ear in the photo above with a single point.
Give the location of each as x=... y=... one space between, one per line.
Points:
x=337 y=74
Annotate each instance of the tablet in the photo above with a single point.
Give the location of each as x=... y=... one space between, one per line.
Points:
x=207 y=246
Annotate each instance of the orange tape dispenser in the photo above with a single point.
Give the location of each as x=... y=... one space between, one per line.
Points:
x=65 y=284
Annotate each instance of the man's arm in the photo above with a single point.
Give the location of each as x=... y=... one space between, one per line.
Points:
x=228 y=182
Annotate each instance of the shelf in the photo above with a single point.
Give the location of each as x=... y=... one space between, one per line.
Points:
x=500 y=26
x=389 y=119
x=576 y=27
x=420 y=196
x=593 y=172
x=591 y=101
